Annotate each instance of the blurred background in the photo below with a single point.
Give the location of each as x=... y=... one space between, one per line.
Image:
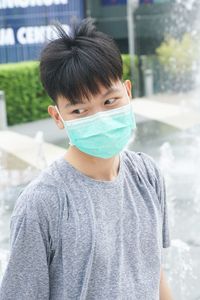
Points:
x=160 y=45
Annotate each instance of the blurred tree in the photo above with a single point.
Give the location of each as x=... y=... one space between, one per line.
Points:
x=180 y=59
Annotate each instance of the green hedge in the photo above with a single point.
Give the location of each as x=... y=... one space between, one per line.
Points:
x=26 y=99
x=127 y=70
x=126 y=66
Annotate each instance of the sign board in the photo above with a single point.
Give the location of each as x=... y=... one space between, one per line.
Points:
x=26 y=24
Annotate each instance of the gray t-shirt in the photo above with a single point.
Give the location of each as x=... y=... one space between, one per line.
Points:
x=74 y=237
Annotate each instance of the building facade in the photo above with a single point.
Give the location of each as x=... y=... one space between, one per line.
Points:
x=25 y=25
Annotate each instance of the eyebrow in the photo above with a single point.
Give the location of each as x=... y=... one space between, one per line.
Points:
x=111 y=90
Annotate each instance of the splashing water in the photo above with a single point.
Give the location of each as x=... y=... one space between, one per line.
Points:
x=178 y=263
x=178 y=260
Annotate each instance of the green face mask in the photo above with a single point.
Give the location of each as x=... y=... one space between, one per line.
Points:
x=103 y=134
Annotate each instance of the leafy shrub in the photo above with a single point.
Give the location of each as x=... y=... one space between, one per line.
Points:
x=26 y=99
x=179 y=59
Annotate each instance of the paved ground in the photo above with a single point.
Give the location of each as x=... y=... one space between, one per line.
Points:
x=181 y=117
x=179 y=110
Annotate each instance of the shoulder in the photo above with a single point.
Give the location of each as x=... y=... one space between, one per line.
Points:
x=41 y=204
x=146 y=168
x=143 y=163
x=138 y=156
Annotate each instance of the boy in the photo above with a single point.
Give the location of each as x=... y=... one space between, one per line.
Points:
x=93 y=224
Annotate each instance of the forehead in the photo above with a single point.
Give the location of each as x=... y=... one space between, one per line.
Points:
x=115 y=86
x=103 y=92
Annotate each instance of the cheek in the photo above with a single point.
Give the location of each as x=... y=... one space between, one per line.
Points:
x=124 y=101
x=70 y=117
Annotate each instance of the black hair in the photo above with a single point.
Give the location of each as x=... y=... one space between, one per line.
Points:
x=74 y=65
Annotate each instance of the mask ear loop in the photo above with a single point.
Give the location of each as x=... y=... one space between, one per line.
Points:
x=130 y=105
x=59 y=114
x=63 y=124
x=127 y=95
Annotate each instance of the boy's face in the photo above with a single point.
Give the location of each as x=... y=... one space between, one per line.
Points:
x=115 y=96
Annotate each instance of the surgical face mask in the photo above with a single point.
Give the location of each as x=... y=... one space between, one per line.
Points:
x=103 y=134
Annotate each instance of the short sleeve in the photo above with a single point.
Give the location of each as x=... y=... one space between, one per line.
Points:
x=157 y=179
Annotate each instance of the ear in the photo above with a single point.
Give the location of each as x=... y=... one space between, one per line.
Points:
x=128 y=86
x=55 y=115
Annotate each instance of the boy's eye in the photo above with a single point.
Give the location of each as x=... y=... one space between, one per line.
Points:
x=78 y=111
x=109 y=101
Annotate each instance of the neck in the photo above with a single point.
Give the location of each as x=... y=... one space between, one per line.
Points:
x=94 y=167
